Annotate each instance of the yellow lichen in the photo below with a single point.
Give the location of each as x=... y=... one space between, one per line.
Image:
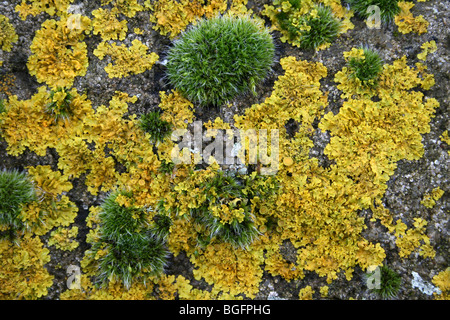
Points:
x=129 y=8
x=64 y=238
x=408 y=240
x=308 y=9
x=306 y=293
x=406 y=22
x=58 y=51
x=230 y=270
x=429 y=200
x=427 y=47
x=106 y=24
x=127 y=61
x=53 y=208
x=22 y=274
x=8 y=34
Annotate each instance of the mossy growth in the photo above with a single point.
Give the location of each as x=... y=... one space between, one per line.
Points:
x=16 y=190
x=320 y=29
x=312 y=30
x=220 y=58
x=226 y=213
x=366 y=67
x=389 y=285
x=153 y=124
x=60 y=105
x=388 y=8
x=129 y=249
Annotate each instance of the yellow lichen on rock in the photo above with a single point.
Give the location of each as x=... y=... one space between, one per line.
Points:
x=22 y=271
x=8 y=34
x=442 y=280
x=427 y=47
x=299 y=16
x=406 y=22
x=63 y=238
x=126 y=61
x=35 y=7
x=106 y=24
x=429 y=200
x=231 y=270
x=58 y=51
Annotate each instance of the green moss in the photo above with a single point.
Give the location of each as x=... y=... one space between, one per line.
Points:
x=220 y=58
x=390 y=282
x=155 y=126
x=311 y=31
x=233 y=194
x=388 y=8
x=60 y=105
x=367 y=69
x=16 y=190
x=132 y=251
x=323 y=29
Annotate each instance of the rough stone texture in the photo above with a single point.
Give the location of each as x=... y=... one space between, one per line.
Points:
x=406 y=187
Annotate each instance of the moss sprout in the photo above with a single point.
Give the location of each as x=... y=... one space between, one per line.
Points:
x=388 y=8
x=220 y=58
x=318 y=29
x=131 y=250
x=153 y=124
x=16 y=190
x=366 y=68
x=390 y=282
x=226 y=213
x=60 y=105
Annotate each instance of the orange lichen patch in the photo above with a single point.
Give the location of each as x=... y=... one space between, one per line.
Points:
x=127 y=61
x=106 y=24
x=8 y=34
x=59 y=53
x=406 y=22
x=22 y=274
x=35 y=7
x=6 y=83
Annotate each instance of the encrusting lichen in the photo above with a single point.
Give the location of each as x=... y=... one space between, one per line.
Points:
x=59 y=53
x=429 y=200
x=8 y=34
x=428 y=47
x=22 y=275
x=316 y=209
x=63 y=238
x=406 y=22
x=106 y=24
x=132 y=60
x=35 y=7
